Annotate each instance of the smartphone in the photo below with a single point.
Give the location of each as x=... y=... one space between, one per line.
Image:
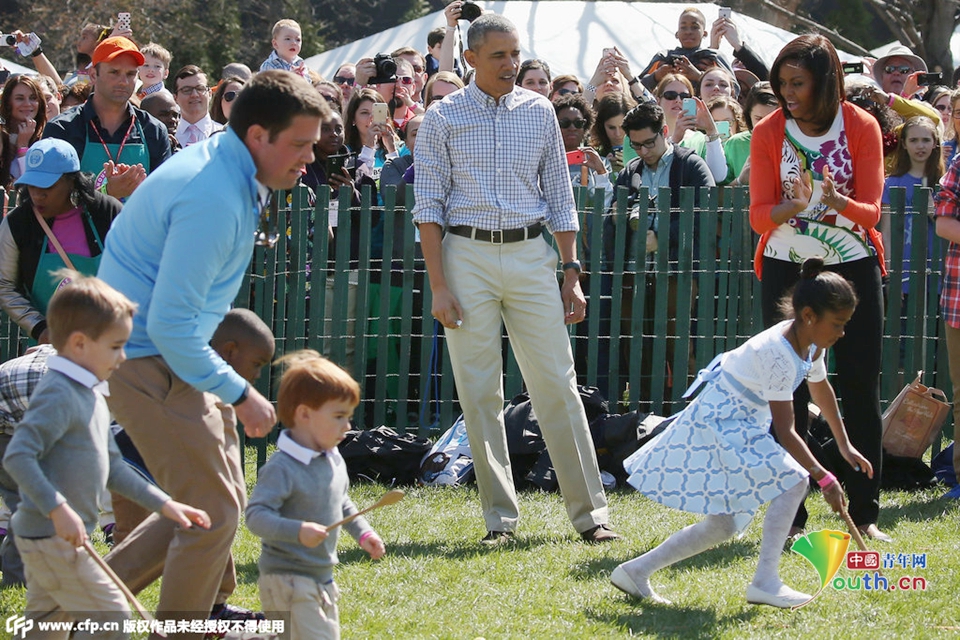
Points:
x=725 y=12
x=927 y=79
x=852 y=67
x=690 y=107
x=380 y=113
x=575 y=156
x=335 y=163
x=723 y=128
x=123 y=21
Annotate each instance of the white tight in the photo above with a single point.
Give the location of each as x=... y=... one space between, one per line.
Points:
x=715 y=529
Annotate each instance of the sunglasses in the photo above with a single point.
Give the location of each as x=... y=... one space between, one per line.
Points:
x=673 y=95
x=229 y=96
x=346 y=81
x=566 y=92
x=579 y=123
x=405 y=79
x=902 y=69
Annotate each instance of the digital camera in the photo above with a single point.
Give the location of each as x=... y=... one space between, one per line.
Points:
x=386 y=69
x=470 y=11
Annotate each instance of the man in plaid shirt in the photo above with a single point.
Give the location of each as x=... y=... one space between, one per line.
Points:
x=948 y=227
x=18 y=379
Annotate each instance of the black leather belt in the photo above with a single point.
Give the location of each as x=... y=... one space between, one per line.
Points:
x=498 y=236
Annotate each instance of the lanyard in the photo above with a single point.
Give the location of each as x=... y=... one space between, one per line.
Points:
x=106 y=149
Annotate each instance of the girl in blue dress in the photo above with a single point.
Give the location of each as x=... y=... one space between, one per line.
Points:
x=719 y=457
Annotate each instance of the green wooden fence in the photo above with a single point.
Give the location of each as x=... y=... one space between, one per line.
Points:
x=406 y=376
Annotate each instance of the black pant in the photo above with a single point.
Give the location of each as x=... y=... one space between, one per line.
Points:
x=857 y=383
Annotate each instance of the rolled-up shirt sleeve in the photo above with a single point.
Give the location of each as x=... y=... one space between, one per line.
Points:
x=555 y=181
x=432 y=184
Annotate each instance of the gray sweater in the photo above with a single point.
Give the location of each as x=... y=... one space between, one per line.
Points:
x=62 y=451
x=288 y=493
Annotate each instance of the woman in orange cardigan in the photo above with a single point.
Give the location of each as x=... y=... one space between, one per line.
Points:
x=815 y=187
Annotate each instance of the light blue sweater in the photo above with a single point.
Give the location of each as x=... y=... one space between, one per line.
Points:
x=180 y=249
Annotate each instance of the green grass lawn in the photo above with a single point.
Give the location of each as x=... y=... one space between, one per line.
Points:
x=437 y=582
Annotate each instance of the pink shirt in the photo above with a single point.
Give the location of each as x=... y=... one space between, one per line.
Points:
x=69 y=229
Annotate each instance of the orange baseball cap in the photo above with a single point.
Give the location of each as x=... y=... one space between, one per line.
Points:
x=110 y=48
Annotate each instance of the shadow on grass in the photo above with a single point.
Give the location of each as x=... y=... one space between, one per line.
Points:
x=918 y=507
x=463 y=549
x=670 y=621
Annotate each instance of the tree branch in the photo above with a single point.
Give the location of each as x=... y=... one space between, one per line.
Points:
x=830 y=34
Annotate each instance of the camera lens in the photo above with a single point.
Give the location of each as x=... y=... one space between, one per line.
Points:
x=11 y=40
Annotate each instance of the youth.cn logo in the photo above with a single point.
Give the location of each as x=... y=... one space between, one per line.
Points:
x=18 y=624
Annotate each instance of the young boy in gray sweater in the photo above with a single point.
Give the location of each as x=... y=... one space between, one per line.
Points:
x=303 y=485
x=62 y=456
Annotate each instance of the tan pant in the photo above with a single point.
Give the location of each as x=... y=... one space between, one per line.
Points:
x=516 y=283
x=64 y=584
x=953 y=355
x=188 y=440
x=312 y=606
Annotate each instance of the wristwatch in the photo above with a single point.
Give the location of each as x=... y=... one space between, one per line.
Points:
x=573 y=264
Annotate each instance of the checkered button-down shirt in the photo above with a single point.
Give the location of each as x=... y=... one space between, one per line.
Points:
x=948 y=205
x=18 y=379
x=493 y=164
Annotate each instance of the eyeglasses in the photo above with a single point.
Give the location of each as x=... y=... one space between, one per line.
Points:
x=330 y=99
x=405 y=79
x=347 y=81
x=566 y=92
x=904 y=69
x=673 y=95
x=189 y=91
x=267 y=235
x=579 y=123
x=229 y=96
x=943 y=108
x=646 y=144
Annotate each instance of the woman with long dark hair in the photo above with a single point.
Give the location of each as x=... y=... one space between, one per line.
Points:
x=815 y=184
x=24 y=115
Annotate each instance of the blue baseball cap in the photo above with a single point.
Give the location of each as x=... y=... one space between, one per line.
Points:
x=46 y=161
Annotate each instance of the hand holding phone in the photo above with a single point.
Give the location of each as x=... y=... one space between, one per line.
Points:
x=380 y=113
x=123 y=21
x=723 y=128
x=690 y=107
x=575 y=157
x=725 y=12
x=927 y=79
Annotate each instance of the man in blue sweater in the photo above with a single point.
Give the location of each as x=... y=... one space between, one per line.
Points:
x=180 y=252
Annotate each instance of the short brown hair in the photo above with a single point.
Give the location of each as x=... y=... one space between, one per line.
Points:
x=312 y=380
x=272 y=99
x=159 y=52
x=85 y=304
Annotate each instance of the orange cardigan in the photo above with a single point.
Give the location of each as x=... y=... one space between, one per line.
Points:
x=866 y=153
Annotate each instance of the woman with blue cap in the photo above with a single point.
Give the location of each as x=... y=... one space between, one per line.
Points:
x=60 y=221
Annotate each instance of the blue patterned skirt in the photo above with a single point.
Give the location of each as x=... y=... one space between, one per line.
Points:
x=718 y=456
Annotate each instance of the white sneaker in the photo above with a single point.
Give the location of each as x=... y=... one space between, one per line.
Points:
x=784 y=598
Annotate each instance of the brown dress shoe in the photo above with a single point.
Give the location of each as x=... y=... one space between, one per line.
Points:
x=599 y=533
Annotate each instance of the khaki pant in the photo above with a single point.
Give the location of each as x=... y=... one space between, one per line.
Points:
x=65 y=584
x=312 y=606
x=516 y=284
x=188 y=440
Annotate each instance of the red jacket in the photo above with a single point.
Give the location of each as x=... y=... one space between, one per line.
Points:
x=866 y=153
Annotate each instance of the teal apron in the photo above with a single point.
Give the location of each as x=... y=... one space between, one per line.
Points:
x=45 y=284
x=94 y=155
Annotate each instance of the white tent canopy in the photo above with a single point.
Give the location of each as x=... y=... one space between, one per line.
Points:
x=13 y=67
x=570 y=36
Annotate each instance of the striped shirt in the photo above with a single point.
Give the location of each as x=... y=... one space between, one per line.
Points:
x=948 y=205
x=493 y=164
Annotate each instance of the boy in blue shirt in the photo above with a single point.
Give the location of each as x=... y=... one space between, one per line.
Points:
x=302 y=486
x=286 y=43
x=62 y=456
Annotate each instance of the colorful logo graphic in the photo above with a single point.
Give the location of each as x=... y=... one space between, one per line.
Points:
x=826 y=551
